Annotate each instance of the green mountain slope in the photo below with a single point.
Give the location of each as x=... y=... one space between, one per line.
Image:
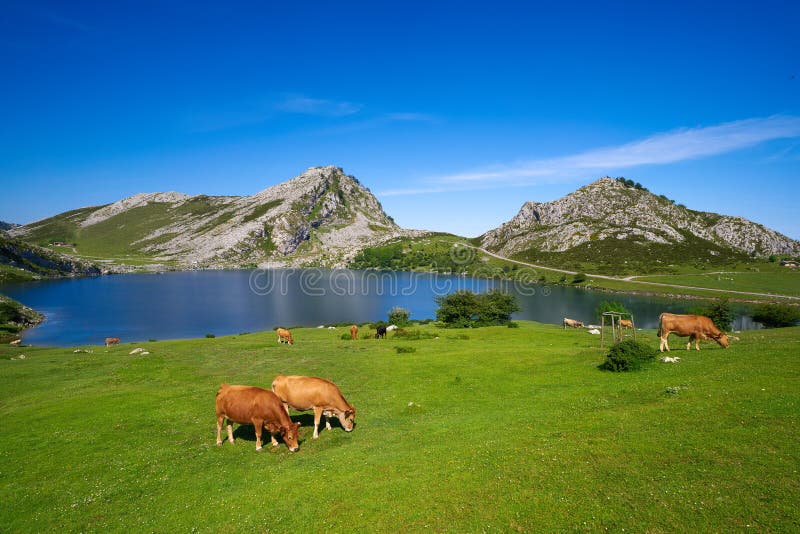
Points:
x=320 y=217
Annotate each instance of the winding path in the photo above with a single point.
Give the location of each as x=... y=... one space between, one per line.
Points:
x=629 y=279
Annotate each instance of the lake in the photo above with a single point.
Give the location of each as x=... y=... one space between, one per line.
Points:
x=139 y=307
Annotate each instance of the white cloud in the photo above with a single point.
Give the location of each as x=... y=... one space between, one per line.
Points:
x=663 y=148
x=317 y=106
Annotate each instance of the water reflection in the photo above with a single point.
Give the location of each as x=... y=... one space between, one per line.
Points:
x=192 y=304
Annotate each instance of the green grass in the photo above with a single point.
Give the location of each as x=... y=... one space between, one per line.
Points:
x=622 y=257
x=508 y=430
x=783 y=282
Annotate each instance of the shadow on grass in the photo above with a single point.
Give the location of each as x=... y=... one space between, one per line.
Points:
x=306 y=420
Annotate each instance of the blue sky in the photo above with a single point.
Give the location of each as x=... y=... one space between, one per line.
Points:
x=453 y=113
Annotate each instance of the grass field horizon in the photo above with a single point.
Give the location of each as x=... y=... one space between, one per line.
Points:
x=505 y=429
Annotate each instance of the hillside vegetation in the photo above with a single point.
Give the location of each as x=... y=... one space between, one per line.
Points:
x=321 y=217
x=489 y=429
x=15 y=317
x=21 y=261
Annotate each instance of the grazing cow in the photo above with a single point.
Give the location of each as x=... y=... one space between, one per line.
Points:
x=112 y=341
x=627 y=323
x=381 y=333
x=572 y=323
x=304 y=393
x=697 y=327
x=284 y=336
x=250 y=405
x=354 y=332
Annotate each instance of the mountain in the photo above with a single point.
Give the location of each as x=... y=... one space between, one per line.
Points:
x=321 y=217
x=23 y=261
x=7 y=225
x=610 y=221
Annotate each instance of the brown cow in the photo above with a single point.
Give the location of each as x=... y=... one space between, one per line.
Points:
x=250 y=405
x=310 y=393
x=354 y=332
x=112 y=341
x=627 y=323
x=572 y=322
x=284 y=336
x=697 y=327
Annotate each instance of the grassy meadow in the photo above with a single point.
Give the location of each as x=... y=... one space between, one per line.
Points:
x=491 y=429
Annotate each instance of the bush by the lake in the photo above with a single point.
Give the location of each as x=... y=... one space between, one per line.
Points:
x=399 y=316
x=464 y=309
x=413 y=334
x=579 y=278
x=719 y=311
x=776 y=315
x=609 y=306
x=628 y=355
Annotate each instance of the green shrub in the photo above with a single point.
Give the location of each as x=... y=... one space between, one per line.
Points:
x=579 y=278
x=776 y=315
x=346 y=336
x=512 y=324
x=719 y=312
x=399 y=316
x=628 y=355
x=405 y=350
x=210 y=335
x=413 y=334
x=464 y=309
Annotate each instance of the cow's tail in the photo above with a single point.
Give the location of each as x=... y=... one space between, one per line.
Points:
x=660 y=318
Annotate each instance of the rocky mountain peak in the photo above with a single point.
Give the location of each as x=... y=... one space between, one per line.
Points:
x=611 y=208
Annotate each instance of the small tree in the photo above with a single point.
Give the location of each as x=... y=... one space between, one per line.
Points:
x=467 y=309
x=459 y=309
x=399 y=316
x=609 y=306
x=719 y=312
x=776 y=315
x=496 y=307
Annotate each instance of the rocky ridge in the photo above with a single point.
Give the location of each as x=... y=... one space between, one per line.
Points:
x=321 y=217
x=608 y=209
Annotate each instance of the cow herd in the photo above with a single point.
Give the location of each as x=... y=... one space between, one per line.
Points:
x=263 y=408
x=269 y=409
x=696 y=327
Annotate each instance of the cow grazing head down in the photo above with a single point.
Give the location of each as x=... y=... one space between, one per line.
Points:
x=347 y=418
x=290 y=436
x=722 y=339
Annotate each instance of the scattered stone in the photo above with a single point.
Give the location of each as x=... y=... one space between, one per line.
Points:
x=137 y=351
x=670 y=359
x=594 y=331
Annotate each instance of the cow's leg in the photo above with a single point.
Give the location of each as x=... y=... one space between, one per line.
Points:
x=286 y=407
x=219 y=429
x=697 y=342
x=664 y=344
x=327 y=423
x=230 y=431
x=258 y=424
x=317 y=415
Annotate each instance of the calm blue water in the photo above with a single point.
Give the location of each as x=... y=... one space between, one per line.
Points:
x=138 y=307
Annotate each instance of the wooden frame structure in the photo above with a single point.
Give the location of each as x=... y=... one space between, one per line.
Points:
x=616 y=327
